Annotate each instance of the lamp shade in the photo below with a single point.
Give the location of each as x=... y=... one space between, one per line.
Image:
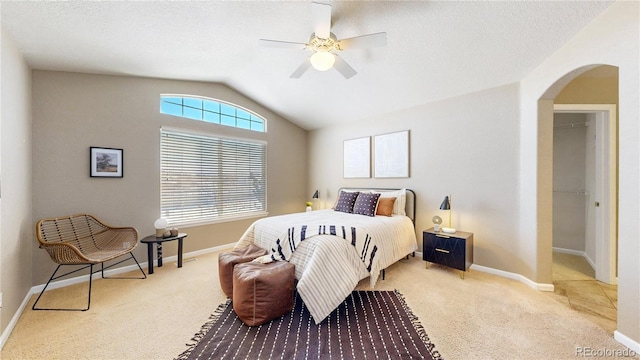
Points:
x=315 y=195
x=160 y=225
x=322 y=60
x=446 y=205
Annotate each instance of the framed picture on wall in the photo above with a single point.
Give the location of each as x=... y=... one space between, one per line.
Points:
x=391 y=155
x=106 y=162
x=357 y=158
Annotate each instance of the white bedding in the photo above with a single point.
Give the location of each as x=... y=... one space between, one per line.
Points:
x=328 y=267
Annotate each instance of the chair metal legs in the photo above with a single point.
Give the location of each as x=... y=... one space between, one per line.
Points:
x=144 y=275
x=53 y=277
x=91 y=272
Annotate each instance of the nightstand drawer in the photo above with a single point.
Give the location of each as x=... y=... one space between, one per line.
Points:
x=445 y=257
x=445 y=242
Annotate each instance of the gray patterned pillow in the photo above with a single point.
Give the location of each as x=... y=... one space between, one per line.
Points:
x=346 y=201
x=366 y=204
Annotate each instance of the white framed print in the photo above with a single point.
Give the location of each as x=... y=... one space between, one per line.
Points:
x=357 y=158
x=391 y=155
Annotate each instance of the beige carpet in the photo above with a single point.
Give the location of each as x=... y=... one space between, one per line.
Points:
x=480 y=317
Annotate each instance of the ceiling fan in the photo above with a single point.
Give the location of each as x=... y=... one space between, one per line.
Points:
x=325 y=46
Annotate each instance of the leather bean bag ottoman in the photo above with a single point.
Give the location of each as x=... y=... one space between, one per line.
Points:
x=262 y=292
x=227 y=261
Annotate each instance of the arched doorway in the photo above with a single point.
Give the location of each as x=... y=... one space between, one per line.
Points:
x=589 y=90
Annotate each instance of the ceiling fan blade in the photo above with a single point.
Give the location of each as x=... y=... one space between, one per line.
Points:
x=343 y=68
x=321 y=14
x=364 y=41
x=306 y=64
x=281 y=44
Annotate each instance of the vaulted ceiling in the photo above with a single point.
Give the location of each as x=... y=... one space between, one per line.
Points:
x=435 y=49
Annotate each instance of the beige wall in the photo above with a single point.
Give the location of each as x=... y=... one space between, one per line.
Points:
x=16 y=231
x=72 y=112
x=611 y=39
x=466 y=147
x=591 y=89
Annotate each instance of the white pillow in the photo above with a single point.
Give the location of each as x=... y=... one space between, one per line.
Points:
x=401 y=200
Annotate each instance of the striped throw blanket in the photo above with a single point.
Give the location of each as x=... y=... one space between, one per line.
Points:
x=328 y=267
x=287 y=243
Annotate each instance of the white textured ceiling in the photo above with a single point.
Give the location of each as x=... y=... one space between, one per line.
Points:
x=434 y=49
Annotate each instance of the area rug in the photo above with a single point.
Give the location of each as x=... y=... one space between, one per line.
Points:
x=368 y=325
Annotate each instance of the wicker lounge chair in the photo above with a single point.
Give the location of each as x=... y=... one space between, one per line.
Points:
x=85 y=241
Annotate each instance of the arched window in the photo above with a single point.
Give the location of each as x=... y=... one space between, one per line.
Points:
x=212 y=111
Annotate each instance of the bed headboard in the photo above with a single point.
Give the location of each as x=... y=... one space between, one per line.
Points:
x=410 y=205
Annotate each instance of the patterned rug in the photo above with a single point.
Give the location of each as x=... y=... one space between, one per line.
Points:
x=368 y=325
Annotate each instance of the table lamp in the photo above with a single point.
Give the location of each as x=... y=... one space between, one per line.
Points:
x=310 y=203
x=161 y=226
x=446 y=205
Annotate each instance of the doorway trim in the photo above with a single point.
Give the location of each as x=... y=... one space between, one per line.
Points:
x=606 y=186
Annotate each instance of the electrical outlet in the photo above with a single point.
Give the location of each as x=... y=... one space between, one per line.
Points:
x=0 y=300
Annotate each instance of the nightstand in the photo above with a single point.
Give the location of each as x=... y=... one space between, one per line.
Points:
x=452 y=250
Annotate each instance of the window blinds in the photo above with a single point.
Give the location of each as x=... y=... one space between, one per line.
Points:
x=206 y=178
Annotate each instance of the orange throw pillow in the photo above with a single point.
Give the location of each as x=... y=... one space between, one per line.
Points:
x=385 y=206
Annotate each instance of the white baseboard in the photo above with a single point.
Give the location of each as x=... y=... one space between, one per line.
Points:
x=514 y=276
x=576 y=253
x=14 y=321
x=83 y=278
x=508 y=275
x=626 y=341
x=568 y=251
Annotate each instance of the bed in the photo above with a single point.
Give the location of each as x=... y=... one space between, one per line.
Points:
x=333 y=250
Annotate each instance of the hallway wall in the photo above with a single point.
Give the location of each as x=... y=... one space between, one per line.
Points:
x=611 y=39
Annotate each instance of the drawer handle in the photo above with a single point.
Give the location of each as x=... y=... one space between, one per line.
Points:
x=443 y=236
x=442 y=251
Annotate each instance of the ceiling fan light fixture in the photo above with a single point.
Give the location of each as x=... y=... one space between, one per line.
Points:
x=322 y=60
x=324 y=45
